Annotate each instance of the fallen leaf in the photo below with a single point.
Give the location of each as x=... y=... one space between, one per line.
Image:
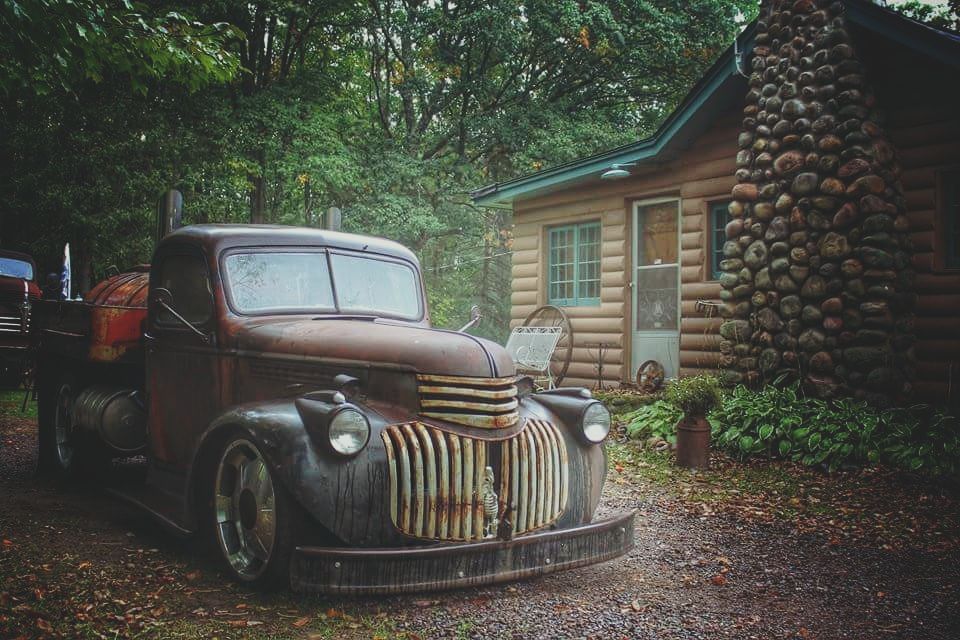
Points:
x=301 y=622
x=193 y=576
x=719 y=580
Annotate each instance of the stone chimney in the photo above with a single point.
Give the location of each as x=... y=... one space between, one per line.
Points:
x=817 y=283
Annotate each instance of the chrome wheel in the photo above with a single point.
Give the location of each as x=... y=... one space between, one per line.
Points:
x=63 y=426
x=244 y=509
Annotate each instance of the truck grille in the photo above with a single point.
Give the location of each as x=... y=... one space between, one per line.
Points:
x=440 y=487
x=489 y=403
x=14 y=316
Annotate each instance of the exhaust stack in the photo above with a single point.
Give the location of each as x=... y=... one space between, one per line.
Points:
x=169 y=213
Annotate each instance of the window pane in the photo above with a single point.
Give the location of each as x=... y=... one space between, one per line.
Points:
x=589 y=265
x=657 y=239
x=279 y=282
x=368 y=285
x=719 y=222
x=186 y=278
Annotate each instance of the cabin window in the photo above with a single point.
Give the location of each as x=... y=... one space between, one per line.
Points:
x=574 y=264
x=949 y=197
x=718 y=223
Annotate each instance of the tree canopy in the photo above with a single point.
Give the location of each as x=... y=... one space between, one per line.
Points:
x=275 y=110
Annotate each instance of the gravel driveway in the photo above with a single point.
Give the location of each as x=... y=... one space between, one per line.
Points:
x=76 y=563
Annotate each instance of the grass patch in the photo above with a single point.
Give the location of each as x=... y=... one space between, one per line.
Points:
x=11 y=403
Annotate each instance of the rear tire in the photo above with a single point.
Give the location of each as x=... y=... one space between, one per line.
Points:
x=65 y=452
x=256 y=522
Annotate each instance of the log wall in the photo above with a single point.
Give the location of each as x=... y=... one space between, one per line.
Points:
x=697 y=177
x=923 y=123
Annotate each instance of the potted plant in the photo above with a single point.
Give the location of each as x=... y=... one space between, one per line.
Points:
x=695 y=396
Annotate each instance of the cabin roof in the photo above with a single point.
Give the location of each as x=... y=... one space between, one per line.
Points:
x=719 y=89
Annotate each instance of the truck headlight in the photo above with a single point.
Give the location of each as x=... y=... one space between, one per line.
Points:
x=349 y=431
x=595 y=422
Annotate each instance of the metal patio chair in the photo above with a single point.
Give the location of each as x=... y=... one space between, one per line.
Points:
x=531 y=349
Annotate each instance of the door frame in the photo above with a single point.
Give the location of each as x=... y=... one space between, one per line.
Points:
x=634 y=237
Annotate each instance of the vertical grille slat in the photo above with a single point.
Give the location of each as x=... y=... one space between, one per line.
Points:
x=443 y=497
x=437 y=480
x=456 y=484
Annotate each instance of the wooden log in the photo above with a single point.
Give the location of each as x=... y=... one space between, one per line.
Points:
x=596 y=325
x=691 y=240
x=921 y=199
x=525 y=270
x=612 y=294
x=602 y=310
x=694 y=222
x=693 y=273
x=921 y=219
x=940 y=350
x=933 y=392
x=527 y=241
x=700 y=325
x=529 y=283
x=939 y=305
x=691 y=256
x=708 y=187
x=700 y=290
x=930 y=155
x=700 y=359
x=924 y=133
x=612 y=263
x=935 y=283
x=923 y=262
x=523 y=297
x=588 y=355
x=923 y=241
x=699 y=342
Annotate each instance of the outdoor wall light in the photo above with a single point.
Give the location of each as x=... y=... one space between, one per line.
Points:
x=616 y=171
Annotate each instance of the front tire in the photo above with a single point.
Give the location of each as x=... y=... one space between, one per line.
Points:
x=255 y=520
x=66 y=452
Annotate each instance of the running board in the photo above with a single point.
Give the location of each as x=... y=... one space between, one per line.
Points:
x=156 y=504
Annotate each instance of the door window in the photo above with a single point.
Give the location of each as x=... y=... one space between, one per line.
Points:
x=187 y=279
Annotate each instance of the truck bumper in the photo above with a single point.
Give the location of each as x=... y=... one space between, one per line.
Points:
x=345 y=571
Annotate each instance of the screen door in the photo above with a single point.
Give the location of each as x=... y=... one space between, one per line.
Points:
x=656 y=284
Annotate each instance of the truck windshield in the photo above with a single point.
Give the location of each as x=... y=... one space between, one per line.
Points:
x=288 y=282
x=13 y=268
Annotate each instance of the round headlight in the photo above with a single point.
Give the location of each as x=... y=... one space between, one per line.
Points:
x=596 y=422
x=349 y=432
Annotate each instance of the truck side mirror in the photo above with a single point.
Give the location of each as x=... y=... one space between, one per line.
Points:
x=163 y=298
x=475 y=317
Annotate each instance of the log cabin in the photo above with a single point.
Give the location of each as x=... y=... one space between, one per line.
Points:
x=634 y=243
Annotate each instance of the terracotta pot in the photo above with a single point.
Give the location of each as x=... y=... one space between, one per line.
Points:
x=693 y=442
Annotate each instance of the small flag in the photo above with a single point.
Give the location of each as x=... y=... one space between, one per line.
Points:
x=65 y=274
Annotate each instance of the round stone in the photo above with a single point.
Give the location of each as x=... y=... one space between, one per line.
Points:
x=790 y=306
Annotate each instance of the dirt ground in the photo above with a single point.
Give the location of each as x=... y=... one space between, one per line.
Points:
x=732 y=554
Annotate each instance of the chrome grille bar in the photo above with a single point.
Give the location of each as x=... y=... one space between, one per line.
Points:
x=489 y=403
x=437 y=480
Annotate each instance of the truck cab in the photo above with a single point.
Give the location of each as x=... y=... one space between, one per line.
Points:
x=294 y=405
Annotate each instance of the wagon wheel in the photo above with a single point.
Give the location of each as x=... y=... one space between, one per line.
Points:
x=551 y=316
x=650 y=376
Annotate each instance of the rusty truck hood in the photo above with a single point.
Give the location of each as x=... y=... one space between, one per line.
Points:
x=424 y=350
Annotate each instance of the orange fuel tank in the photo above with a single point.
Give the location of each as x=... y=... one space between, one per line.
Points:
x=118 y=313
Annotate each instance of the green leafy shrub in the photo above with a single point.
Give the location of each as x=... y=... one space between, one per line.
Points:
x=622 y=402
x=695 y=395
x=656 y=419
x=780 y=422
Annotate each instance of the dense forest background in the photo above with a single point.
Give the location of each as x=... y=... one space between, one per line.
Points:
x=275 y=110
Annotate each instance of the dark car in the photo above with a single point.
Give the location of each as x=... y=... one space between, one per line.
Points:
x=18 y=293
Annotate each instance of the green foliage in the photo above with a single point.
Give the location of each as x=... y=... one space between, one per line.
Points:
x=392 y=111
x=51 y=45
x=694 y=395
x=939 y=15
x=658 y=419
x=781 y=423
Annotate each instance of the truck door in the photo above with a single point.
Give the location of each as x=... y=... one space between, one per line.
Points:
x=183 y=384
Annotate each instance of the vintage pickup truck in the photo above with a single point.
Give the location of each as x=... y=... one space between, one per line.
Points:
x=294 y=405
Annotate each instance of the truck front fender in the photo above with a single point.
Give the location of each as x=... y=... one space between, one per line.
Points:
x=348 y=497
